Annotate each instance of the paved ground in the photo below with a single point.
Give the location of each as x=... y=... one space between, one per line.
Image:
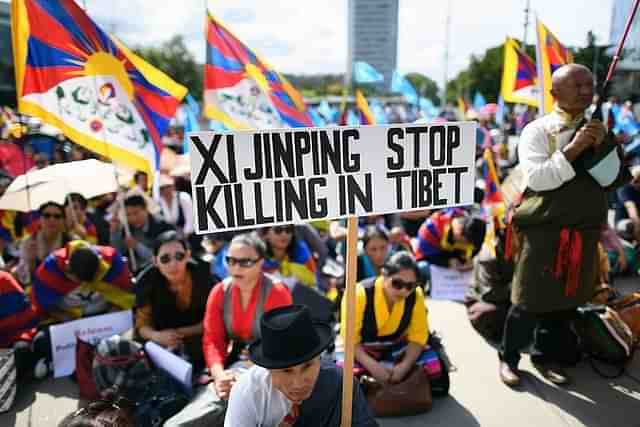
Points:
x=477 y=398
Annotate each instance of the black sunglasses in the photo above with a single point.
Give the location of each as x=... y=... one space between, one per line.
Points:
x=50 y=215
x=166 y=258
x=280 y=230
x=242 y=262
x=400 y=284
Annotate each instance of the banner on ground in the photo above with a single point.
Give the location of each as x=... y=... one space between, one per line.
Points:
x=449 y=284
x=248 y=179
x=74 y=76
x=91 y=330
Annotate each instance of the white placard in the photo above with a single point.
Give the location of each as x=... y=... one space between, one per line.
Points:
x=449 y=284
x=178 y=368
x=247 y=179
x=90 y=329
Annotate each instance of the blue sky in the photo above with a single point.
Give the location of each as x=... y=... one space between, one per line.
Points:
x=304 y=36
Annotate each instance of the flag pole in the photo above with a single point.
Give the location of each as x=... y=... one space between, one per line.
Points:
x=120 y=200
x=349 y=321
x=616 y=57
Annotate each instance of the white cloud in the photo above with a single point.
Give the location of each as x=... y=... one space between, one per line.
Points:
x=311 y=36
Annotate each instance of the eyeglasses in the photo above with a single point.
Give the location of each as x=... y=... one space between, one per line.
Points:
x=241 y=262
x=280 y=230
x=400 y=284
x=50 y=215
x=166 y=258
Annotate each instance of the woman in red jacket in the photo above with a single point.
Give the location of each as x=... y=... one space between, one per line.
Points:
x=232 y=317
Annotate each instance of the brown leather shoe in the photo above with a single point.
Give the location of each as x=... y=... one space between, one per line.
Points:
x=509 y=376
x=553 y=373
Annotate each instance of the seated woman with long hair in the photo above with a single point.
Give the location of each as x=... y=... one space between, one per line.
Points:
x=231 y=322
x=289 y=258
x=391 y=320
x=50 y=235
x=172 y=298
x=376 y=247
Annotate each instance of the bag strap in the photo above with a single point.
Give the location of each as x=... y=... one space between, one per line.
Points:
x=119 y=360
x=621 y=368
x=369 y=322
x=267 y=285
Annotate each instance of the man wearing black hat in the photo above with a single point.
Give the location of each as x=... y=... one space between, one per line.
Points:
x=290 y=385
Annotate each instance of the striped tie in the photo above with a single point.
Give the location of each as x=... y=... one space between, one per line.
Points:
x=291 y=418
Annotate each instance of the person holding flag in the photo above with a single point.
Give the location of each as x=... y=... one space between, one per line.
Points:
x=555 y=230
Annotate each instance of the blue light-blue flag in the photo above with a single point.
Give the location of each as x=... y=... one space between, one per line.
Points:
x=427 y=107
x=191 y=122
x=399 y=83
x=478 y=101
x=327 y=111
x=352 y=118
x=365 y=73
x=316 y=118
x=377 y=109
x=500 y=112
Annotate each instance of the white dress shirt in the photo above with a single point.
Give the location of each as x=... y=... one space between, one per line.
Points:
x=540 y=152
x=170 y=212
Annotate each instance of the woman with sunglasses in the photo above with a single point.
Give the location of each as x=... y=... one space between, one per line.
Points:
x=172 y=297
x=288 y=257
x=391 y=318
x=232 y=317
x=50 y=235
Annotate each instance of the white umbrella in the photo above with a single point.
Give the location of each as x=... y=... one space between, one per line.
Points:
x=90 y=178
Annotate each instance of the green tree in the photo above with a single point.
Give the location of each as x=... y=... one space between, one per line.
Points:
x=425 y=87
x=173 y=58
x=483 y=75
x=595 y=57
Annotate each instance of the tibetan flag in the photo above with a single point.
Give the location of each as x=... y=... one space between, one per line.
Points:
x=242 y=91
x=551 y=56
x=51 y=284
x=18 y=320
x=72 y=75
x=8 y=226
x=492 y=192
x=519 y=76
x=366 y=116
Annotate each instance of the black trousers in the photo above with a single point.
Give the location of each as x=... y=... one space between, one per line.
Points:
x=553 y=337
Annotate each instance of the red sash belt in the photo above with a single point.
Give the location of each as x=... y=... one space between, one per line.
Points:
x=569 y=259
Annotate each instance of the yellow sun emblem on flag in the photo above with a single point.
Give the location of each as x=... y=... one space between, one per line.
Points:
x=104 y=64
x=258 y=77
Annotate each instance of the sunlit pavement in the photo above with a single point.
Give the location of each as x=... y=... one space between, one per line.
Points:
x=477 y=397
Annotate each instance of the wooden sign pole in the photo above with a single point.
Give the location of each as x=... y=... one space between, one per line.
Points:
x=349 y=335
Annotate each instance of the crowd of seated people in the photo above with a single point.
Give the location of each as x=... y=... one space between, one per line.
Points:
x=207 y=308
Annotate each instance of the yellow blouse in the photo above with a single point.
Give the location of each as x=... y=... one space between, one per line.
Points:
x=388 y=322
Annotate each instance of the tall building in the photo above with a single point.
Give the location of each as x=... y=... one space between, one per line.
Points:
x=626 y=82
x=373 y=35
x=7 y=79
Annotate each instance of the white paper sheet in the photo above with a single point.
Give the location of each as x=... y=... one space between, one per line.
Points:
x=178 y=368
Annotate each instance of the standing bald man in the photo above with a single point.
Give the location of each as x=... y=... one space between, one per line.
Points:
x=557 y=228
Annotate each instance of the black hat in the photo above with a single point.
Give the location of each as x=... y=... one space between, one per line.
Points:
x=289 y=338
